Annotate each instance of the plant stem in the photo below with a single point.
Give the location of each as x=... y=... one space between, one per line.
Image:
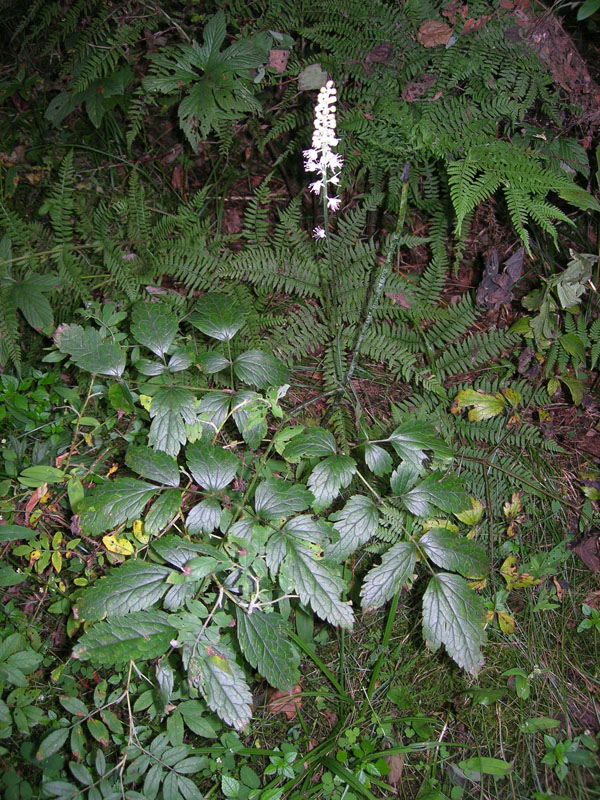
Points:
x=384 y=643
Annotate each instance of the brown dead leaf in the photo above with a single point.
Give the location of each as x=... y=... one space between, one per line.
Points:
x=177 y=178
x=588 y=551
x=278 y=60
x=285 y=702
x=433 y=33
x=475 y=24
x=399 y=299
x=418 y=87
x=34 y=500
x=396 y=765
x=380 y=53
x=593 y=600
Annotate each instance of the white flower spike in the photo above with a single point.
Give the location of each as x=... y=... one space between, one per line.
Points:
x=320 y=158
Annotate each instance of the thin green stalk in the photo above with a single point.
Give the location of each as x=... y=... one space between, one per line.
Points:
x=384 y=643
x=324 y=669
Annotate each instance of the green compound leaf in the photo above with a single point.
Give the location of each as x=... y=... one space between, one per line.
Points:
x=133 y=586
x=212 y=362
x=89 y=351
x=317 y=586
x=260 y=369
x=154 y=465
x=155 y=326
x=218 y=316
x=314 y=444
x=355 y=523
x=112 y=504
x=453 y=615
x=250 y=417
x=28 y=296
x=328 y=478
x=275 y=499
x=264 y=642
x=404 y=477
x=436 y=491
x=412 y=439
x=382 y=582
x=139 y=636
x=307 y=529
x=170 y=409
x=164 y=508
x=213 y=467
x=377 y=459
x=451 y=551
x=214 y=671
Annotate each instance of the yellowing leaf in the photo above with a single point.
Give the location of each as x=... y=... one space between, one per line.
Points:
x=514 y=507
x=472 y=515
x=484 y=406
x=118 y=545
x=506 y=622
x=146 y=401
x=513 y=397
x=112 y=470
x=138 y=531
x=431 y=524
x=57 y=561
x=515 y=579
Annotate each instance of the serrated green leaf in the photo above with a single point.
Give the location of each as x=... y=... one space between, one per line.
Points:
x=180 y=360
x=411 y=439
x=355 y=523
x=133 y=586
x=260 y=369
x=214 y=671
x=453 y=615
x=314 y=444
x=404 y=477
x=483 y=406
x=317 y=586
x=307 y=529
x=250 y=417
x=212 y=362
x=155 y=326
x=154 y=465
x=218 y=316
x=573 y=345
x=178 y=551
x=150 y=368
x=51 y=744
x=162 y=511
x=138 y=636
x=377 y=459
x=29 y=298
x=89 y=351
x=204 y=516
x=328 y=478
x=382 y=582
x=196 y=718
x=436 y=491
x=170 y=409
x=451 y=551
x=214 y=408
x=114 y=503
x=275 y=499
x=213 y=467
x=264 y=642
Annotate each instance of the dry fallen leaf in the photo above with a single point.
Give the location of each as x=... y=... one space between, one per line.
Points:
x=433 y=33
x=396 y=765
x=588 y=551
x=278 y=60
x=285 y=702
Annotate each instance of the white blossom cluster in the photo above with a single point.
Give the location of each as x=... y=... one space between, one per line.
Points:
x=320 y=158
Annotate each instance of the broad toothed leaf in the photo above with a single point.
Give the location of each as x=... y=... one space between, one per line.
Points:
x=155 y=326
x=133 y=586
x=451 y=551
x=453 y=615
x=154 y=465
x=162 y=511
x=328 y=478
x=214 y=671
x=275 y=498
x=139 y=636
x=436 y=491
x=170 y=409
x=218 y=316
x=113 y=503
x=260 y=369
x=382 y=582
x=355 y=523
x=314 y=444
x=213 y=467
x=90 y=351
x=378 y=460
x=204 y=517
x=264 y=641
x=307 y=529
x=412 y=439
x=317 y=586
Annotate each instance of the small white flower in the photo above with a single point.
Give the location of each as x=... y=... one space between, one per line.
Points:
x=316 y=187
x=319 y=233
x=333 y=203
